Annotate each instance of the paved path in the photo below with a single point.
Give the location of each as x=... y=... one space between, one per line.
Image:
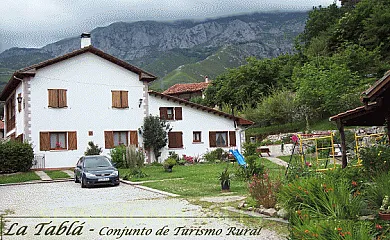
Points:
x=43 y=175
x=277 y=161
x=101 y=210
x=70 y=173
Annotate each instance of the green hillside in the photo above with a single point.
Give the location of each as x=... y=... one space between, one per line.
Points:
x=212 y=66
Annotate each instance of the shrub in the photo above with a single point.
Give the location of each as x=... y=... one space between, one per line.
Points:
x=118 y=156
x=217 y=154
x=188 y=159
x=375 y=159
x=169 y=162
x=127 y=157
x=264 y=190
x=93 y=149
x=249 y=149
x=377 y=190
x=323 y=197
x=253 y=168
x=135 y=173
x=15 y=157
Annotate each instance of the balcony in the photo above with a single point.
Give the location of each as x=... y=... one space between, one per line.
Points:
x=10 y=124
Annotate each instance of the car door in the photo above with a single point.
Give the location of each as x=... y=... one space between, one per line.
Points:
x=79 y=167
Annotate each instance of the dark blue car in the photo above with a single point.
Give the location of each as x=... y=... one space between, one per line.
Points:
x=95 y=170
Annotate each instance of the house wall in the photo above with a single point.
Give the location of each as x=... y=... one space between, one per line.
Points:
x=194 y=120
x=89 y=80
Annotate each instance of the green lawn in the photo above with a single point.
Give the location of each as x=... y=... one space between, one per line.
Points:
x=199 y=179
x=57 y=174
x=19 y=177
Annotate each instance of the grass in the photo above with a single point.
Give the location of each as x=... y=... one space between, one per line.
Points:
x=57 y=174
x=19 y=177
x=199 y=179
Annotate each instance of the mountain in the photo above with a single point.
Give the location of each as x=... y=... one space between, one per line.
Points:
x=176 y=50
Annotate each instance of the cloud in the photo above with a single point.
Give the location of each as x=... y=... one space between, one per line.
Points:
x=34 y=23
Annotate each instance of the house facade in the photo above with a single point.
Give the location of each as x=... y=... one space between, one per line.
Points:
x=61 y=104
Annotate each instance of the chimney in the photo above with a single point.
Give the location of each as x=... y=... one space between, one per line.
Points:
x=206 y=79
x=85 y=40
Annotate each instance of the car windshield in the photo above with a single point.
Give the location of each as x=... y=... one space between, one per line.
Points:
x=96 y=162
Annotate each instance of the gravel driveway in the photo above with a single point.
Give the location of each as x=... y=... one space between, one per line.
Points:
x=110 y=213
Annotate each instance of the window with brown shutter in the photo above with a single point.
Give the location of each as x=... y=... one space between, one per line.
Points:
x=72 y=142
x=57 y=98
x=163 y=113
x=178 y=113
x=134 y=138
x=109 y=139
x=232 y=138
x=212 y=139
x=120 y=99
x=44 y=141
x=218 y=139
x=175 y=139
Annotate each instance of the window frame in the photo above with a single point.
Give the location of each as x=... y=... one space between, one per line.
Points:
x=194 y=133
x=57 y=140
x=226 y=139
x=119 y=138
x=170 y=116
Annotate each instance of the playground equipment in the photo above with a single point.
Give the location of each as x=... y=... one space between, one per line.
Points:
x=314 y=150
x=238 y=156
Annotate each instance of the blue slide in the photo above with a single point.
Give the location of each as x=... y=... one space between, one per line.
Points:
x=238 y=156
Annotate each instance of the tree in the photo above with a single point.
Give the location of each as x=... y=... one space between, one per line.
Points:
x=154 y=133
x=93 y=149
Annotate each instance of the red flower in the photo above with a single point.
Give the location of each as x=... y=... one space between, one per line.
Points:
x=379 y=227
x=354 y=183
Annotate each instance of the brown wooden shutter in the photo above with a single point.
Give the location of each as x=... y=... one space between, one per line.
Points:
x=179 y=139
x=163 y=113
x=213 y=139
x=178 y=113
x=116 y=99
x=44 y=141
x=134 y=138
x=62 y=102
x=232 y=138
x=72 y=140
x=171 y=140
x=109 y=139
x=125 y=99
x=53 y=98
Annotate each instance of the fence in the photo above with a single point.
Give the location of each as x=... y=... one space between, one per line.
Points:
x=39 y=161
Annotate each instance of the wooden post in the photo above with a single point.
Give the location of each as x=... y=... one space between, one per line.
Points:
x=388 y=128
x=340 y=126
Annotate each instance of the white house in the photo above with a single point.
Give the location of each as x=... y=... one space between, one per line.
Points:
x=61 y=104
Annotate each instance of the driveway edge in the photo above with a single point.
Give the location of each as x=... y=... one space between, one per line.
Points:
x=36 y=182
x=138 y=185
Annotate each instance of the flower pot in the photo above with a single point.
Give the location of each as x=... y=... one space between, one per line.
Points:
x=225 y=185
x=384 y=216
x=168 y=168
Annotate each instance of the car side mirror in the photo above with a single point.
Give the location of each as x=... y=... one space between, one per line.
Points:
x=114 y=164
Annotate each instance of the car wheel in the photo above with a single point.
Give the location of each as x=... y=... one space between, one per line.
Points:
x=76 y=180
x=82 y=181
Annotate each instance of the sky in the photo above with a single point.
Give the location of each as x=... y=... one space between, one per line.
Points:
x=36 y=23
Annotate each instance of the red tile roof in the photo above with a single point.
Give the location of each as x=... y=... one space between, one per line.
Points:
x=30 y=71
x=240 y=121
x=186 y=88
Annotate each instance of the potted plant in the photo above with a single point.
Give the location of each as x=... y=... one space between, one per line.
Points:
x=225 y=180
x=168 y=164
x=384 y=210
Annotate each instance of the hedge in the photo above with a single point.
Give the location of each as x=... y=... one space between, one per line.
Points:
x=15 y=157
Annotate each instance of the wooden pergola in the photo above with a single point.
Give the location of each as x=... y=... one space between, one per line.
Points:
x=374 y=112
